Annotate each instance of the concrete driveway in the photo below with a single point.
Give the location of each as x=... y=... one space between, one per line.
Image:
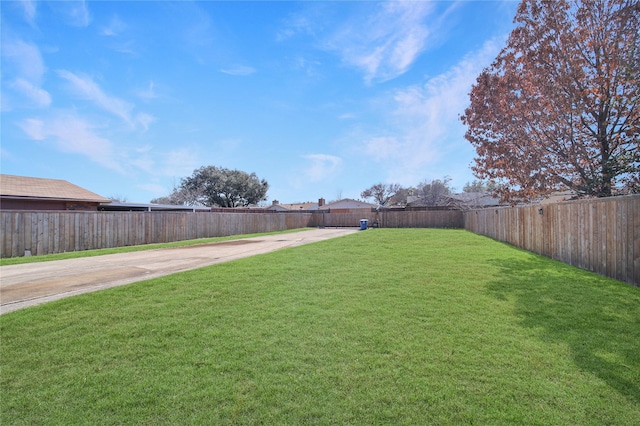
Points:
x=35 y=283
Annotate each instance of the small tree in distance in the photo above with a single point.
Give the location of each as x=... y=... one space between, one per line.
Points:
x=431 y=193
x=178 y=197
x=479 y=186
x=118 y=198
x=216 y=186
x=382 y=193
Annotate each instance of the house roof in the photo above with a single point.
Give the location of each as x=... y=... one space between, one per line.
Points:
x=45 y=189
x=294 y=207
x=468 y=199
x=557 y=197
x=476 y=199
x=277 y=208
x=348 y=203
x=150 y=207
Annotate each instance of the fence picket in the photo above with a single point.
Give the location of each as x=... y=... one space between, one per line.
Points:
x=601 y=235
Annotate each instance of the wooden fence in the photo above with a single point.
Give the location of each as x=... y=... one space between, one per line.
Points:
x=388 y=218
x=601 y=235
x=45 y=232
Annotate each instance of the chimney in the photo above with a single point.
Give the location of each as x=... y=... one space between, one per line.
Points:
x=321 y=202
x=275 y=202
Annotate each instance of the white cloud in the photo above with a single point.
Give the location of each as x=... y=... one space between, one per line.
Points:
x=424 y=120
x=127 y=47
x=86 y=88
x=29 y=7
x=77 y=13
x=72 y=134
x=383 y=147
x=24 y=71
x=149 y=93
x=193 y=27
x=143 y=162
x=385 y=43
x=179 y=162
x=155 y=189
x=115 y=27
x=381 y=39
x=144 y=120
x=322 y=166
x=6 y=155
x=37 y=95
x=296 y=24
x=25 y=60
x=154 y=162
x=67 y=132
x=115 y=30
x=241 y=70
x=33 y=128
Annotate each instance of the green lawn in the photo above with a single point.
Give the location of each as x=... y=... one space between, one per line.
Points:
x=396 y=326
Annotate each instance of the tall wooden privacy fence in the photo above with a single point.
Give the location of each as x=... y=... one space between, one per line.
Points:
x=388 y=218
x=601 y=235
x=45 y=232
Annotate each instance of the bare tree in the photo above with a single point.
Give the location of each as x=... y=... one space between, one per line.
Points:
x=432 y=193
x=118 y=198
x=480 y=186
x=382 y=193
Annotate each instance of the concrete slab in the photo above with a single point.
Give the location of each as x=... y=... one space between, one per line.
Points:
x=35 y=283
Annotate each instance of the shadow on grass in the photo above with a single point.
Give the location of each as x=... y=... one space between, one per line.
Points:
x=596 y=317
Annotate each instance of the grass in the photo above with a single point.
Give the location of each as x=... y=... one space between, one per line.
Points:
x=384 y=326
x=128 y=249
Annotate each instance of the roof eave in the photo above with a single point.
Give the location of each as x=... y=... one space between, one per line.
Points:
x=86 y=200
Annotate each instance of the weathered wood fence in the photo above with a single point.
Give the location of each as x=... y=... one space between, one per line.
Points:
x=45 y=232
x=389 y=218
x=601 y=235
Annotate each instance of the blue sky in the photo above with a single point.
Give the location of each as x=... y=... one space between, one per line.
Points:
x=321 y=99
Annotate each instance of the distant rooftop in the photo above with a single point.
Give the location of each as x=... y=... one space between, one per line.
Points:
x=39 y=188
x=148 y=207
